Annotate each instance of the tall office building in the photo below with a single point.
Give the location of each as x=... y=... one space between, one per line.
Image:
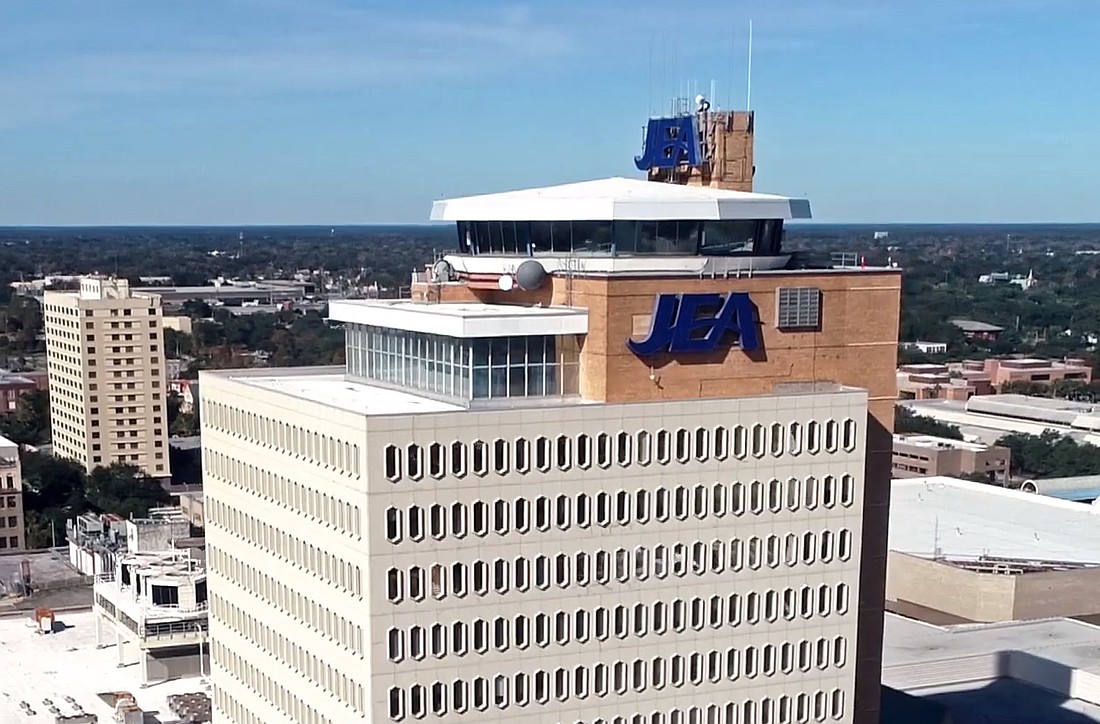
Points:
x=620 y=460
x=12 y=530
x=105 y=354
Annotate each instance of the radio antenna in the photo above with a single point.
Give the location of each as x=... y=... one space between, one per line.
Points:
x=748 y=91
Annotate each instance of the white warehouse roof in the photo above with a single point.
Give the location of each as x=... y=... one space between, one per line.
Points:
x=620 y=199
x=963 y=519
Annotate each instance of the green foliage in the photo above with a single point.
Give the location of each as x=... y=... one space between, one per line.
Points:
x=56 y=490
x=1050 y=455
x=30 y=423
x=123 y=489
x=905 y=421
x=21 y=323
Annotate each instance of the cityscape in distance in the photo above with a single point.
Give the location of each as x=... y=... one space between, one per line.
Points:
x=620 y=436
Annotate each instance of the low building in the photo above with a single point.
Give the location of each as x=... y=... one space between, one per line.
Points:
x=177 y=323
x=191 y=505
x=13 y=385
x=1039 y=371
x=155 y=605
x=188 y=391
x=940 y=382
x=12 y=530
x=97 y=541
x=926 y=347
x=920 y=456
x=974 y=329
x=1025 y=671
x=964 y=551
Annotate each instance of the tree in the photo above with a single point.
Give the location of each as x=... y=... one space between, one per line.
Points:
x=53 y=492
x=1050 y=455
x=30 y=423
x=905 y=421
x=123 y=489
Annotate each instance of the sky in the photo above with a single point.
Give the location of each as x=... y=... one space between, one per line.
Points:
x=357 y=111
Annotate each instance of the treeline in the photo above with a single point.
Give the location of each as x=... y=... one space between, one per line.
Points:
x=56 y=490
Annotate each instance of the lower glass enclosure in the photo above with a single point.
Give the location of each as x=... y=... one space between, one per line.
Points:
x=483 y=368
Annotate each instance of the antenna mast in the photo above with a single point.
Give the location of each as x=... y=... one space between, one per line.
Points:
x=748 y=92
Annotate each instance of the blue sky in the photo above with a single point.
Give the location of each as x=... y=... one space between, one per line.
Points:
x=342 y=111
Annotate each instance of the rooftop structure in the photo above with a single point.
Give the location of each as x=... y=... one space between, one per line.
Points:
x=620 y=199
x=926 y=455
x=989 y=428
x=700 y=146
x=153 y=606
x=941 y=382
x=1078 y=488
x=68 y=669
x=269 y=291
x=1034 y=671
x=925 y=347
x=985 y=553
x=1039 y=371
x=978 y=330
x=97 y=540
x=1049 y=411
x=547 y=448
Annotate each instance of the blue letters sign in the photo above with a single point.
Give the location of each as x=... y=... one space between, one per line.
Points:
x=670 y=142
x=698 y=322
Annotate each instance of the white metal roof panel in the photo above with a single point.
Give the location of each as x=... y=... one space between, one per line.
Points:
x=619 y=199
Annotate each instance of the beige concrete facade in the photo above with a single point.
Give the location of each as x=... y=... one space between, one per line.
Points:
x=922 y=456
x=104 y=349
x=991 y=596
x=12 y=524
x=540 y=563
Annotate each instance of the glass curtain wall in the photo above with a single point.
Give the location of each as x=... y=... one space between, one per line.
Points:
x=483 y=368
x=756 y=237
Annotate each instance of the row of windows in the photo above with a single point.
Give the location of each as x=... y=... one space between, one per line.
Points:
x=272 y=539
x=617 y=678
x=322 y=450
x=623 y=449
x=288 y=494
x=799 y=709
x=304 y=609
x=439 y=581
x=276 y=695
x=302 y=660
x=639 y=620
x=622 y=507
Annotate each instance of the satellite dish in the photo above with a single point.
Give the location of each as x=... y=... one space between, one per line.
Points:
x=506 y=282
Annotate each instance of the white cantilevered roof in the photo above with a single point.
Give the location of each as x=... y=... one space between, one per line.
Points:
x=462 y=320
x=620 y=199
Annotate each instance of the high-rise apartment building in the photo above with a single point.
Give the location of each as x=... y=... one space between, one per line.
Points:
x=105 y=353
x=620 y=460
x=12 y=530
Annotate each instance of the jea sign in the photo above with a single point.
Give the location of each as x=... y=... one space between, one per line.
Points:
x=670 y=142
x=694 y=323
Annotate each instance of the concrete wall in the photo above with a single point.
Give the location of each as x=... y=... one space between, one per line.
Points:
x=969 y=595
x=988 y=596
x=1057 y=593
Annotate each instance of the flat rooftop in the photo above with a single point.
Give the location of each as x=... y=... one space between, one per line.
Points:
x=328 y=386
x=619 y=198
x=940 y=443
x=987 y=428
x=67 y=664
x=1022 y=671
x=962 y=519
x=462 y=320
